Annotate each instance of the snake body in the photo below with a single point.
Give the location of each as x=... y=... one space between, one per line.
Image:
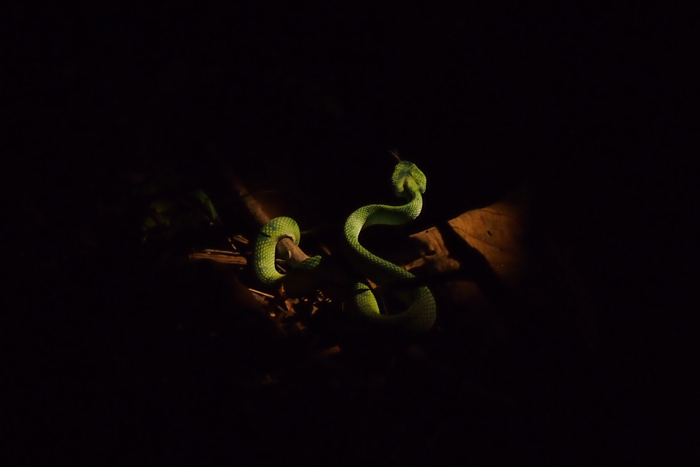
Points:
x=409 y=183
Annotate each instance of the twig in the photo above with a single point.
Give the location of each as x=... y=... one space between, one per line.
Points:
x=222 y=252
x=261 y=293
x=218 y=256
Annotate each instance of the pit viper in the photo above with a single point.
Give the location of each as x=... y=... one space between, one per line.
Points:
x=409 y=183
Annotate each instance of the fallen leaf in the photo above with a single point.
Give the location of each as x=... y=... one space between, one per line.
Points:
x=497 y=232
x=477 y=259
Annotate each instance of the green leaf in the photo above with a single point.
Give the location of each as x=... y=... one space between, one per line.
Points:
x=161 y=206
x=149 y=223
x=204 y=199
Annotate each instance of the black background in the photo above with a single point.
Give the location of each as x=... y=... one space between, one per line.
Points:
x=588 y=105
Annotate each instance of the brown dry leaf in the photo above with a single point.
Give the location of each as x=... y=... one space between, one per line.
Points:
x=481 y=246
x=496 y=232
x=289 y=304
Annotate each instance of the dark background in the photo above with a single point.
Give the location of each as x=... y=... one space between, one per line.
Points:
x=587 y=105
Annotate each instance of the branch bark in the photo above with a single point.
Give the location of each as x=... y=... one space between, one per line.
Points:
x=295 y=255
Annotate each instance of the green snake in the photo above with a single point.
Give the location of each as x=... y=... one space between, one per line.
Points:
x=409 y=183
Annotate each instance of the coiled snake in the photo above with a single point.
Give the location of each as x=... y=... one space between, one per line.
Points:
x=409 y=183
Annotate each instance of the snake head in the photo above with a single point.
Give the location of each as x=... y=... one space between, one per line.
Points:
x=409 y=178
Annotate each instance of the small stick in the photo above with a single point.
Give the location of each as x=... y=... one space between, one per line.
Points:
x=261 y=293
x=218 y=257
